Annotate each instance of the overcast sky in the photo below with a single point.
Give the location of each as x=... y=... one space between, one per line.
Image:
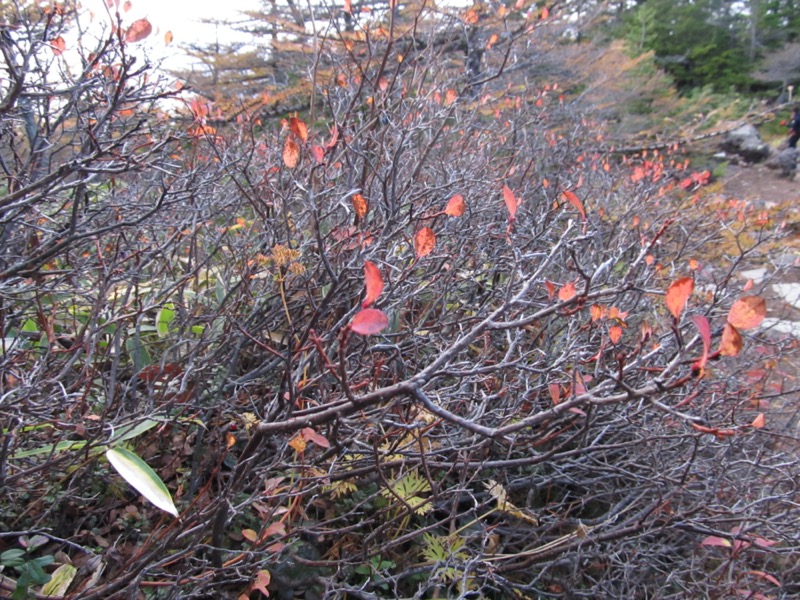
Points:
x=181 y=17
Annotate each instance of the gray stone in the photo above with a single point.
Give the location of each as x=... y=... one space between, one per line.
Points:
x=785 y=161
x=746 y=143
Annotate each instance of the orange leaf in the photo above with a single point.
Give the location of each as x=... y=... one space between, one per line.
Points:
x=678 y=294
x=759 y=422
x=747 y=312
x=545 y=13
x=597 y=312
x=138 y=31
x=58 y=45
x=567 y=292
x=168 y=37
x=369 y=321
x=573 y=199
x=297 y=443
x=374 y=283
x=455 y=206
x=360 y=205
x=348 y=7
x=511 y=202
x=250 y=535
x=298 y=128
x=291 y=153
x=424 y=242
x=615 y=333
x=450 y=97
x=551 y=289
x=731 y=343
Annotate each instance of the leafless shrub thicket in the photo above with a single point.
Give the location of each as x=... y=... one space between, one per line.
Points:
x=533 y=421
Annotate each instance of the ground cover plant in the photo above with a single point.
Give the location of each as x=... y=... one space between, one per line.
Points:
x=432 y=337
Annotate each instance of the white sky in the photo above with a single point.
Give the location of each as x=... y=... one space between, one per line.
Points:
x=181 y=17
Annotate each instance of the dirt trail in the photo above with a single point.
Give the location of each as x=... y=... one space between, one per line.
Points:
x=781 y=272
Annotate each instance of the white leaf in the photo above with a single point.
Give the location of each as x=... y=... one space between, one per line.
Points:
x=136 y=472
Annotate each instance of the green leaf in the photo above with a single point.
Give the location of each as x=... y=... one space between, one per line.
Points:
x=143 y=479
x=60 y=581
x=164 y=318
x=12 y=558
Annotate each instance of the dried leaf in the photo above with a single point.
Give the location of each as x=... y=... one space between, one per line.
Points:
x=138 y=31
x=573 y=199
x=369 y=322
x=747 y=312
x=298 y=128
x=424 y=242
x=511 y=203
x=450 y=96
x=374 y=283
x=455 y=206
x=318 y=154
x=567 y=292
x=615 y=333
x=731 y=343
x=759 y=422
x=261 y=582
x=291 y=153
x=168 y=37
x=310 y=435
x=360 y=205
x=678 y=294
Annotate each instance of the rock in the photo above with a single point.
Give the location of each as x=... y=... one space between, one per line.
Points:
x=746 y=143
x=785 y=161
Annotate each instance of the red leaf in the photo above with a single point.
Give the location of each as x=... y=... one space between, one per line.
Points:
x=138 y=31
x=369 y=321
x=705 y=334
x=455 y=206
x=298 y=128
x=731 y=343
x=511 y=202
x=555 y=392
x=360 y=205
x=567 y=292
x=424 y=242
x=713 y=540
x=573 y=199
x=310 y=435
x=374 y=283
x=276 y=528
x=551 y=289
x=678 y=294
x=615 y=333
x=747 y=312
x=759 y=422
x=291 y=153
x=450 y=97
x=318 y=153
